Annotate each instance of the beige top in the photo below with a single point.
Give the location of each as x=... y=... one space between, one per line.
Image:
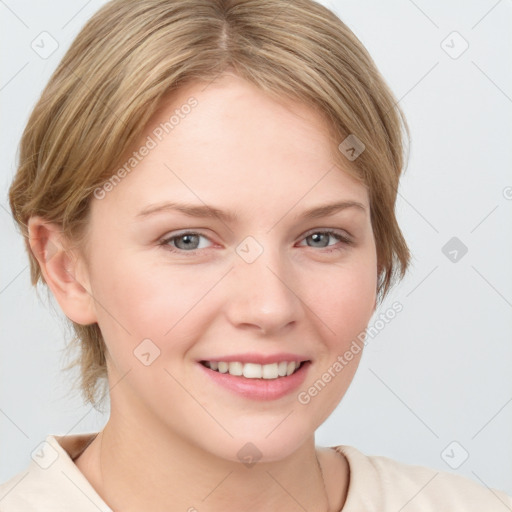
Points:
x=53 y=483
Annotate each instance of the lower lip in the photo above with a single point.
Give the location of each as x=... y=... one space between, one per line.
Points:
x=259 y=389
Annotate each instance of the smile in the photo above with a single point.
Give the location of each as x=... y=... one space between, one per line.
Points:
x=254 y=370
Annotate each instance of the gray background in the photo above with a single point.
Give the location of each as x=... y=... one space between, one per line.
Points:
x=438 y=375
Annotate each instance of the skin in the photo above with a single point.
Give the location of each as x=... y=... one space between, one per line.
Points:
x=173 y=436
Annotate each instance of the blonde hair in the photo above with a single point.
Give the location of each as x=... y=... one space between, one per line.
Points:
x=133 y=52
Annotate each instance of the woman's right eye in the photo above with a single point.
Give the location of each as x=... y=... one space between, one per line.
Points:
x=183 y=242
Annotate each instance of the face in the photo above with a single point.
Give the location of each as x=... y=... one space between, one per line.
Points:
x=203 y=251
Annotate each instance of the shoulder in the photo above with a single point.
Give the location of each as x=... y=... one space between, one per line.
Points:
x=52 y=481
x=383 y=484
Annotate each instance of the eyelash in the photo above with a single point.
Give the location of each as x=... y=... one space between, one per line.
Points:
x=343 y=239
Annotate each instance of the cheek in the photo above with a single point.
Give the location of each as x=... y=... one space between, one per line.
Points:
x=344 y=304
x=138 y=299
x=344 y=297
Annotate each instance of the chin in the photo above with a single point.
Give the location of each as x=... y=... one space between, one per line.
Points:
x=258 y=445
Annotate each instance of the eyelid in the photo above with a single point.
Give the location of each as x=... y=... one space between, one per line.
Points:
x=345 y=235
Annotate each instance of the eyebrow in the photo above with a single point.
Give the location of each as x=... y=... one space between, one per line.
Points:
x=204 y=211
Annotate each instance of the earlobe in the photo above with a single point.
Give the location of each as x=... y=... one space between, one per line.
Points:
x=62 y=270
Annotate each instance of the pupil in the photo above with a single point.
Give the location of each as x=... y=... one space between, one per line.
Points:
x=317 y=237
x=186 y=240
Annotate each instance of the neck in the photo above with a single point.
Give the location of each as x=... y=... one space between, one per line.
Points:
x=133 y=471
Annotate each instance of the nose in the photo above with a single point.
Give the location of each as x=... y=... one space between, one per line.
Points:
x=262 y=295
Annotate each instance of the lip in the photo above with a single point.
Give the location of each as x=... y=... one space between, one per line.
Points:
x=258 y=389
x=253 y=357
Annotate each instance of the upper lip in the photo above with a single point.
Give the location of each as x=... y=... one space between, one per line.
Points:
x=259 y=358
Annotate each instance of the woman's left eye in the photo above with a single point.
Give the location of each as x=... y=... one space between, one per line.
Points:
x=190 y=241
x=320 y=237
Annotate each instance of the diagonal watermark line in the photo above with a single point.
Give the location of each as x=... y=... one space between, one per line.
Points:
x=214 y=78
x=80 y=420
x=403 y=402
x=80 y=489
x=418 y=212
x=301 y=198
x=280 y=423
x=485 y=15
x=216 y=487
x=13 y=13
x=13 y=279
x=100 y=400
x=192 y=307
x=487 y=423
x=492 y=211
x=166 y=166
x=493 y=287
x=413 y=87
x=8 y=417
x=100 y=304
x=4 y=208
x=286 y=491
x=76 y=14
x=407 y=503
x=424 y=14
x=16 y=221
x=492 y=81
x=199 y=403
x=14 y=486
x=279 y=13
x=423 y=280
x=95 y=95
x=491 y=490
x=301 y=300
x=13 y=77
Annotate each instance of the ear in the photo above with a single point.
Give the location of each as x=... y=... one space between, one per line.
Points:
x=63 y=270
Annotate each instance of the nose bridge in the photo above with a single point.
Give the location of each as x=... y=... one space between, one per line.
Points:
x=263 y=293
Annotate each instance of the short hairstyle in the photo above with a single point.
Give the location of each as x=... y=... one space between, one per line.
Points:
x=132 y=53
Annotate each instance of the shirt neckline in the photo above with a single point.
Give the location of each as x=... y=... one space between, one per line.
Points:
x=71 y=446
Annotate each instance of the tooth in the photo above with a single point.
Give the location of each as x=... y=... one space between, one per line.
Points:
x=235 y=368
x=252 y=371
x=269 y=371
x=290 y=368
x=281 y=368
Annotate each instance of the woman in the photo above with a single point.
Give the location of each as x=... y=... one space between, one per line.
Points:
x=208 y=189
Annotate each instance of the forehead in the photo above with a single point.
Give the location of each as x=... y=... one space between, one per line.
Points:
x=207 y=141
x=230 y=105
